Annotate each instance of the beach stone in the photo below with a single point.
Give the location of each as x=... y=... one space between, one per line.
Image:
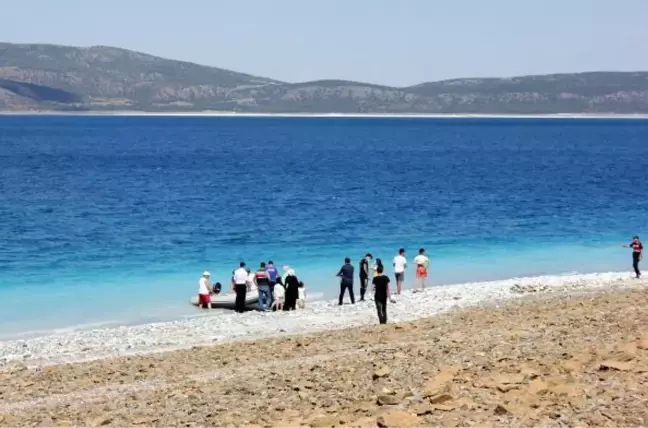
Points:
x=441 y=398
x=381 y=372
x=365 y=422
x=397 y=419
x=615 y=365
x=643 y=343
x=101 y=421
x=388 y=400
x=326 y=422
x=538 y=387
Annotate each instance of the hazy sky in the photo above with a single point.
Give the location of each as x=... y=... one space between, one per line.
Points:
x=397 y=42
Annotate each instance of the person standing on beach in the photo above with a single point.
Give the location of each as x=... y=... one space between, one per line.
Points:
x=346 y=280
x=239 y=281
x=204 y=298
x=263 y=285
x=381 y=293
x=273 y=274
x=292 y=284
x=422 y=263
x=364 y=275
x=400 y=263
x=637 y=254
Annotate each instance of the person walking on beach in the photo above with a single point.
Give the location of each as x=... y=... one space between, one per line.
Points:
x=364 y=274
x=381 y=293
x=422 y=263
x=637 y=254
x=273 y=274
x=239 y=281
x=400 y=263
x=204 y=298
x=346 y=280
x=263 y=285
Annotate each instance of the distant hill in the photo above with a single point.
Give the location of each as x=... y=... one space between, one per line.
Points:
x=49 y=77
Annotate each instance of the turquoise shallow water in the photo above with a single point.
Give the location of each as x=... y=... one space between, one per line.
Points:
x=114 y=218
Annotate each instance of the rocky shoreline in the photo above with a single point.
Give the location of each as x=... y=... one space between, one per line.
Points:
x=544 y=360
x=222 y=327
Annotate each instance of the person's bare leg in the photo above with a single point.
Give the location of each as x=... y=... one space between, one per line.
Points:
x=423 y=283
x=399 y=286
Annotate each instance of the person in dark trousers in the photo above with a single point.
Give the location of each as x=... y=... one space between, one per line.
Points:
x=381 y=293
x=364 y=274
x=263 y=285
x=239 y=282
x=637 y=254
x=346 y=280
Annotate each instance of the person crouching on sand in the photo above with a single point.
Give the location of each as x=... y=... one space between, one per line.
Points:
x=381 y=293
x=204 y=298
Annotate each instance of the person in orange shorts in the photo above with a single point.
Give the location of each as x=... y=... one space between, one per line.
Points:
x=422 y=262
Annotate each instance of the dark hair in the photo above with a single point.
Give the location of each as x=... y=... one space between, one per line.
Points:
x=401 y=251
x=347 y=260
x=262 y=264
x=242 y=264
x=380 y=268
x=270 y=262
x=369 y=255
x=301 y=284
x=379 y=263
x=635 y=237
x=422 y=250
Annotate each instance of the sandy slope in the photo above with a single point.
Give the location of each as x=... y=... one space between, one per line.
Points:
x=544 y=361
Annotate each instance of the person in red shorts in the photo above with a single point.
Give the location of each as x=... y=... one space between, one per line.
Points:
x=204 y=298
x=422 y=262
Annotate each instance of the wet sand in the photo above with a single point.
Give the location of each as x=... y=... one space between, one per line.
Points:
x=545 y=360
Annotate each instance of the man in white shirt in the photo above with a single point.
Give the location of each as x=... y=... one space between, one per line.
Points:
x=422 y=263
x=203 y=292
x=239 y=281
x=400 y=263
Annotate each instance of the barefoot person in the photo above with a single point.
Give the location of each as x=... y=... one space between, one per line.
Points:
x=422 y=262
x=637 y=254
x=346 y=280
x=381 y=293
x=400 y=263
x=204 y=293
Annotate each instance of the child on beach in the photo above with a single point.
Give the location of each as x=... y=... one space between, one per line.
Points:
x=204 y=293
x=279 y=296
x=301 y=295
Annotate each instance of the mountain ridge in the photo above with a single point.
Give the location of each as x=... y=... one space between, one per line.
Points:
x=96 y=78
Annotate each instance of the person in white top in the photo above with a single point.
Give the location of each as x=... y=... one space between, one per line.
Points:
x=239 y=283
x=279 y=296
x=400 y=263
x=301 y=295
x=204 y=298
x=422 y=263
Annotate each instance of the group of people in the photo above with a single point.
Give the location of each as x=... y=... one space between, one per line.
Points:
x=380 y=282
x=288 y=292
x=276 y=292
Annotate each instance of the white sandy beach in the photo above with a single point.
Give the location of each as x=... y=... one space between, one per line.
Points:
x=220 y=327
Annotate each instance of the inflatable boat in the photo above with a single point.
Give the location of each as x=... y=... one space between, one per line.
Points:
x=228 y=300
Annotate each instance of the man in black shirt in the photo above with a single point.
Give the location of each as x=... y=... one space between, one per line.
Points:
x=346 y=280
x=381 y=293
x=364 y=274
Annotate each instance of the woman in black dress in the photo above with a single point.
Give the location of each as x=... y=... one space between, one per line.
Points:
x=292 y=290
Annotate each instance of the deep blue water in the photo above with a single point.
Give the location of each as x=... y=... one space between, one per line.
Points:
x=107 y=218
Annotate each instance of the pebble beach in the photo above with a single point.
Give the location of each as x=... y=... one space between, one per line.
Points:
x=528 y=352
x=219 y=326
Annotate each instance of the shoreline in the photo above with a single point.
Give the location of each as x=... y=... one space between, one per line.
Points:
x=551 y=359
x=224 y=327
x=217 y=113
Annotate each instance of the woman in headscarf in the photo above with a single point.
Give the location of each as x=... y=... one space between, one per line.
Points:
x=292 y=289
